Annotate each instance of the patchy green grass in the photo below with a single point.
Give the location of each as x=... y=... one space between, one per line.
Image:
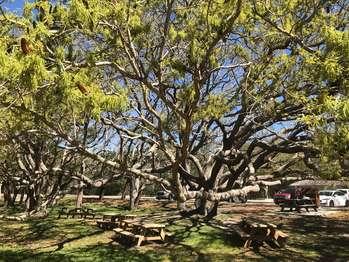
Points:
x=312 y=238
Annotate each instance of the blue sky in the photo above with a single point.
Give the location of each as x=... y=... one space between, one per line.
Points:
x=13 y=5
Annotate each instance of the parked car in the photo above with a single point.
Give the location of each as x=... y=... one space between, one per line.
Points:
x=346 y=190
x=297 y=197
x=333 y=198
x=283 y=195
x=164 y=195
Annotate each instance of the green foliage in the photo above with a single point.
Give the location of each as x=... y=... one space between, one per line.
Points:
x=215 y=107
x=90 y=58
x=42 y=84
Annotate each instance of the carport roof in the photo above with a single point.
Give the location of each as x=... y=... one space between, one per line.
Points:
x=330 y=183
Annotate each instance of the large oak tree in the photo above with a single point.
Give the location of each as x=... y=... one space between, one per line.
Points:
x=207 y=91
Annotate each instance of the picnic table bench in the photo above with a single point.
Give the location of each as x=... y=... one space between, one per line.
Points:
x=80 y=212
x=259 y=232
x=136 y=233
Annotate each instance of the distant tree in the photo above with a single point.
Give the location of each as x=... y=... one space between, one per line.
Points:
x=31 y=165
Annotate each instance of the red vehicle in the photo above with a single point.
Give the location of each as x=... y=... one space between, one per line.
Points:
x=297 y=196
x=283 y=195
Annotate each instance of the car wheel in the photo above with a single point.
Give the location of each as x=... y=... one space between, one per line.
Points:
x=331 y=204
x=347 y=203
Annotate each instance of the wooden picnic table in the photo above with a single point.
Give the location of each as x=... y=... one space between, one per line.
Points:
x=127 y=217
x=126 y=223
x=258 y=231
x=113 y=220
x=299 y=203
x=108 y=221
x=110 y=217
x=141 y=231
x=80 y=212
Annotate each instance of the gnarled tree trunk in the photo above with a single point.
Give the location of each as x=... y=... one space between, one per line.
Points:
x=9 y=201
x=135 y=190
x=124 y=190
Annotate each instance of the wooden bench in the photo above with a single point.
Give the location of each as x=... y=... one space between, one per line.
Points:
x=306 y=207
x=121 y=234
x=107 y=225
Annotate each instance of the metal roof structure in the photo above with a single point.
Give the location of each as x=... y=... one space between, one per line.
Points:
x=322 y=183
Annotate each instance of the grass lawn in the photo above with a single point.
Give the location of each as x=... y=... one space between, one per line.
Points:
x=312 y=238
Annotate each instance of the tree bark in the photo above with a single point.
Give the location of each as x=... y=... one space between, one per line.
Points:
x=134 y=192
x=206 y=208
x=79 y=195
x=101 y=193
x=22 y=198
x=181 y=206
x=80 y=189
x=15 y=193
x=124 y=190
x=8 y=200
x=31 y=202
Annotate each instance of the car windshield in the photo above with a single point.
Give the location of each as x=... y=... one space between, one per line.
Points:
x=325 y=193
x=286 y=190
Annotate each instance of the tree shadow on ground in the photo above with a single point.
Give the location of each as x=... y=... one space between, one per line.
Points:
x=95 y=253
x=109 y=252
x=329 y=237
x=41 y=229
x=53 y=229
x=310 y=238
x=14 y=255
x=17 y=208
x=196 y=235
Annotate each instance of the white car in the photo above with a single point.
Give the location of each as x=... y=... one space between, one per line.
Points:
x=333 y=198
x=346 y=190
